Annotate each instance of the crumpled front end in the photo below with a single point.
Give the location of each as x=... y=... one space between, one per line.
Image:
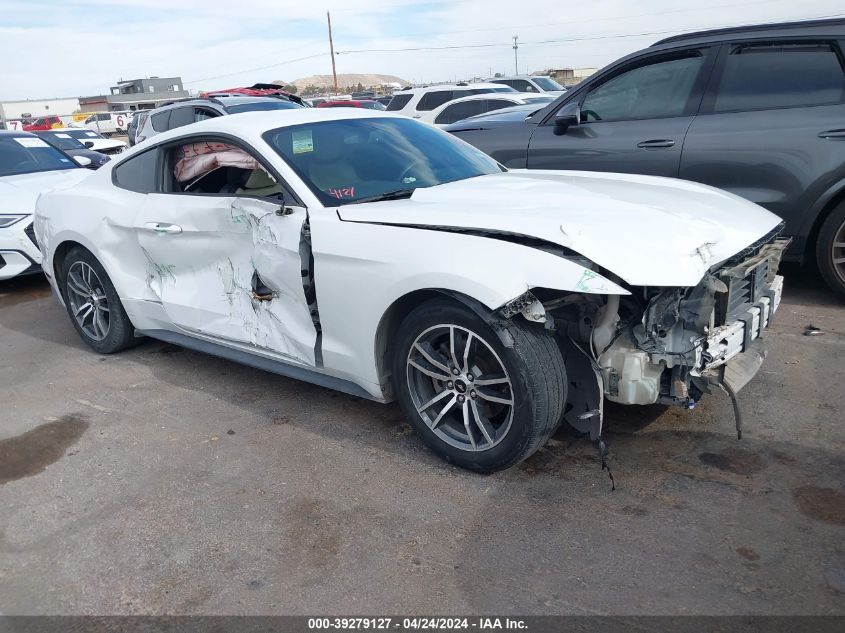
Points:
x=670 y=345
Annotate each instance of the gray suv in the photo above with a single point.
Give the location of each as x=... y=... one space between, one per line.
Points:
x=179 y=113
x=758 y=111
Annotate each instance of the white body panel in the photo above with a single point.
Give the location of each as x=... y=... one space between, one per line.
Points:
x=18 y=194
x=649 y=231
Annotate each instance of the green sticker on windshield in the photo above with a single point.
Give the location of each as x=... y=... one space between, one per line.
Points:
x=302 y=141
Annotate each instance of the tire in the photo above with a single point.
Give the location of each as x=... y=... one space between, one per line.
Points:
x=81 y=272
x=532 y=377
x=830 y=257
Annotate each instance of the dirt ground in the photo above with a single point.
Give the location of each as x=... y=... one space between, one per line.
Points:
x=165 y=481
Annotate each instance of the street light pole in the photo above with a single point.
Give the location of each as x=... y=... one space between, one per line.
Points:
x=515 y=59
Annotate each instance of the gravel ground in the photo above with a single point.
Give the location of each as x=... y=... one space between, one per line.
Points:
x=165 y=481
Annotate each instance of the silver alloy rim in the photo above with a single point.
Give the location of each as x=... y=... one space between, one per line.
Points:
x=88 y=302
x=837 y=253
x=460 y=387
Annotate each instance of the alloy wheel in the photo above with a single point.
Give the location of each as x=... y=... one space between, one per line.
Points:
x=837 y=252
x=88 y=302
x=460 y=387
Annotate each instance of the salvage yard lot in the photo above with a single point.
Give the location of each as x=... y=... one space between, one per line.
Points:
x=165 y=481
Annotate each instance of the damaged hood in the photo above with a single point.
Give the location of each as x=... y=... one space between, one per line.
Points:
x=650 y=231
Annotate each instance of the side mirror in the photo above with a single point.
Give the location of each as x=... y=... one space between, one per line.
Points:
x=567 y=116
x=88 y=144
x=82 y=161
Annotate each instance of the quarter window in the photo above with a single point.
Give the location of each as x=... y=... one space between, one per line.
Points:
x=657 y=90
x=138 y=173
x=779 y=76
x=160 y=121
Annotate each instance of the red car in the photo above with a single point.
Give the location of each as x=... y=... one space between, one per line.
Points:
x=43 y=123
x=349 y=103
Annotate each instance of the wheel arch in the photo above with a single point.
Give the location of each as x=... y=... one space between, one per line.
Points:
x=826 y=204
x=396 y=313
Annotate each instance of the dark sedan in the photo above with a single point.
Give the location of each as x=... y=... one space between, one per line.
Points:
x=74 y=147
x=758 y=111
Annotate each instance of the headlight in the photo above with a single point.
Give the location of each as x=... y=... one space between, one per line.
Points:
x=8 y=219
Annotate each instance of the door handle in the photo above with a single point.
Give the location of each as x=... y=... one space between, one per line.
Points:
x=659 y=143
x=163 y=228
x=833 y=134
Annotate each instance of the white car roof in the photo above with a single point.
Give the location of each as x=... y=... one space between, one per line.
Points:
x=445 y=87
x=252 y=124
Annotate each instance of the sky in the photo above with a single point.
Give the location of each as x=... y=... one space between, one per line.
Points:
x=68 y=48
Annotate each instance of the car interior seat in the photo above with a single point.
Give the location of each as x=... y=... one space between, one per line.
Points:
x=259 y=183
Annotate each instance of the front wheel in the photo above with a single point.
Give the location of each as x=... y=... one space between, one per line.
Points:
x=830 y=250
x=93 y=305
x=476 y=402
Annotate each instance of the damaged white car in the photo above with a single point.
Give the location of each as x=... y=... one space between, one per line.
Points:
x=379 y=256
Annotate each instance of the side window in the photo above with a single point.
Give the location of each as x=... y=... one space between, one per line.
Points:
x=431 y=100
x=180 y=116
x=460 y=111
x=160 y=121
x=399 y=101
x=522 y=86
x=102 y=116
x=138 y=173
x=779 y=76
x=219 y=168
x=201 y=114
x=657 y=90
x=498 y=104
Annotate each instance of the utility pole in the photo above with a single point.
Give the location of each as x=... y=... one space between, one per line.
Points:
x=331 y=48
x=515 y=59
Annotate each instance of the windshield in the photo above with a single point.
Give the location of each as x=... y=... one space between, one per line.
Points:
x=84 y=135
x=351 y=159
x=260 y=106
x=62 y=140
x=28 y=154
x=547 y=84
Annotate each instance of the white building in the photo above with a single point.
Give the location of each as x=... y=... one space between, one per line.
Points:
x=33 y=108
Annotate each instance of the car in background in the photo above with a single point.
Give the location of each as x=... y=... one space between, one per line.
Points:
x=28 y=166
x=180 y=113
x=530 y=83
x=379 y=256
x=108 y=123
x=43 y=123
x=473 y=105
x=135 y=124
x=413 y=102
x=758 y=111
x=93 y=140
x=74 y=147
x=255 y=90
x=369 y=104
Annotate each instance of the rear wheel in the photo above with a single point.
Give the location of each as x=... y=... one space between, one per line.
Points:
x=93 y=305
x=474 y=401
x=830 y=249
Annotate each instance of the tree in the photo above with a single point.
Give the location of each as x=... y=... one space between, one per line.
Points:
x=291 y=88
x=498 y=75
x=359 y=87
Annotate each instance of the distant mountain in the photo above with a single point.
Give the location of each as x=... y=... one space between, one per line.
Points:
x=347 y=79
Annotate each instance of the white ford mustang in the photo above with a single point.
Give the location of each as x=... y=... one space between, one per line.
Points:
x=379 y=256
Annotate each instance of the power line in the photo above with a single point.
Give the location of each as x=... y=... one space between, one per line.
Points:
x=250 y=70
x=540 y=42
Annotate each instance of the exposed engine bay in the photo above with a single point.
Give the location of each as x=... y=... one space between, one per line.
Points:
x=666 y=345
